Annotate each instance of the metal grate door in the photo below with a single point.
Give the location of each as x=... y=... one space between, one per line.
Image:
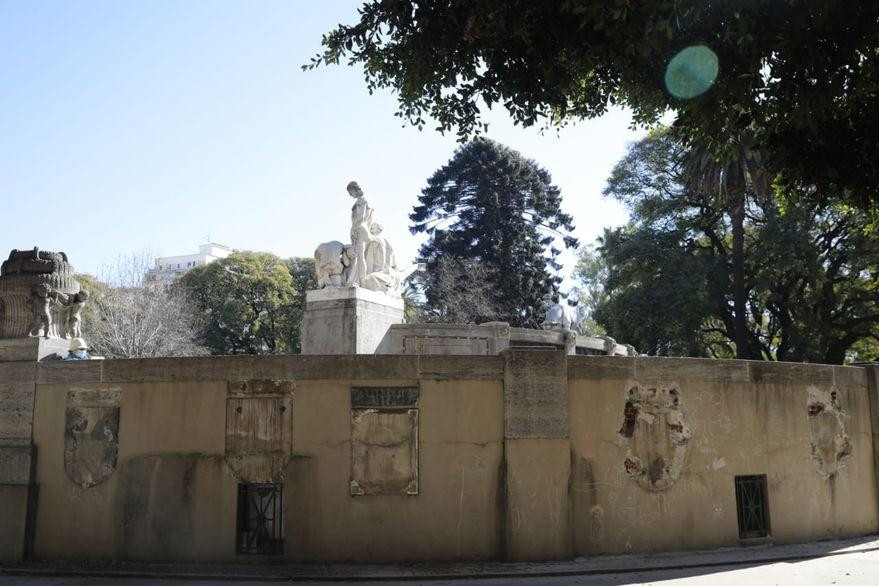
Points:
x=752 y=506
x=260 y=519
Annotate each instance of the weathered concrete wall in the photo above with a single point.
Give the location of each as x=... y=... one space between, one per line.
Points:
x=710 y=421
x=488 y=338
x=453 y=516
x=173 y=496
x=536 y=455
x=528 y=455
x=17 y=453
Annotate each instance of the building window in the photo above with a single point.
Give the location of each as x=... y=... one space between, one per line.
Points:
x=752 y=505
x=260 y=519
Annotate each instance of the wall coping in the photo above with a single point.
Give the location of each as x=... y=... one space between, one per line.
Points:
x=384 y=366
x=661 y=369
x=289 y=367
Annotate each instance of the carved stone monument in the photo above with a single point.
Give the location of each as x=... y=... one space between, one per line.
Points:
x=360 y=288
x=40 y=305
x=565 y=319
x=358 y=307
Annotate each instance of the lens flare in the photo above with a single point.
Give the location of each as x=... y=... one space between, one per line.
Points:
x=691 y=72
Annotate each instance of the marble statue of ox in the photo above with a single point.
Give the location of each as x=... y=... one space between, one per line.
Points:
x=561 y=316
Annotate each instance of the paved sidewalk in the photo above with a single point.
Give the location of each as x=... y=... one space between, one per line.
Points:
x=694 y=563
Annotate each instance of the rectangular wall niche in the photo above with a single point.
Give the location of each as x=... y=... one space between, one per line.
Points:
x=384 y=440
x=752 y=505
x=260 y=519
x=259 y=429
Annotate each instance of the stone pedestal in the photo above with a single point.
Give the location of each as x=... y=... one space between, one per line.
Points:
x=537 y=455
x=348 y=320
x=32 y=349
x=17 y=452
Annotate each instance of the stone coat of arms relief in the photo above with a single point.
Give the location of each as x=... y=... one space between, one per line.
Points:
x=654 y=435
x=830 y=442
x=91 y=435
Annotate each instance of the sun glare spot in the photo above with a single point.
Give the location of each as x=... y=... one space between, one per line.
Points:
x=691 y=72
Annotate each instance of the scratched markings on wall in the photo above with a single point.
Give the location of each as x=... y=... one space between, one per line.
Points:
x=655 y=436
x=259 y=429
x=384 y=440
x=91 y=436
x=830 y=442
x=16 y=413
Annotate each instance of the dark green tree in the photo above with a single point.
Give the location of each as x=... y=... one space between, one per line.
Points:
x=490 y=204
x=727 y=175
x=250 y=303
x=304 y=278
x=802 y=74
x=810 y=270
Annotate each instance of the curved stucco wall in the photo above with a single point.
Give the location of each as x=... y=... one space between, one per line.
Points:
x=520 y=456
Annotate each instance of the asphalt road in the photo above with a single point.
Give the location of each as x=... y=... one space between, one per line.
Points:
x=861 y=568
x=848 y=561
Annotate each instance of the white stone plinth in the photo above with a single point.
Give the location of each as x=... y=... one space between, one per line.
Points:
x=32 y=349
x=348 y=320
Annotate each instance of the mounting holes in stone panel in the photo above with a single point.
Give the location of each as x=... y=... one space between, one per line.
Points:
x=260 y=519
x=752 y=505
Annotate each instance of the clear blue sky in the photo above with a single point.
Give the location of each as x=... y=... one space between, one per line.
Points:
x=136 y=124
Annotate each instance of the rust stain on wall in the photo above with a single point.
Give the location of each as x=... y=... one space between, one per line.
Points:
x=655 y=435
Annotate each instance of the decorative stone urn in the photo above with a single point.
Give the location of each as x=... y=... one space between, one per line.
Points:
x=34 y=283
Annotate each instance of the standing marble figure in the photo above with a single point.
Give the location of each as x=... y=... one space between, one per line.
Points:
x=74 y=314
x=361 y=221
x=40 y=304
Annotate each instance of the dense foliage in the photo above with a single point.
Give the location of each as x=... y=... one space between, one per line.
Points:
x=251 y=302
x=811 y=272
x=803 y=75
x=492 y=205
x=304 y=278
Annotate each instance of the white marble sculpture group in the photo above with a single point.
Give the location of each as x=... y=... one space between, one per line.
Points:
x=561 y=316
x=368 y=261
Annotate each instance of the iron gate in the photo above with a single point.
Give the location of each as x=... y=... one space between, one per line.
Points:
x=752 y=506
x=260 y=519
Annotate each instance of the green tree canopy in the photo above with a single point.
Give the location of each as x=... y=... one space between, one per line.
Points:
x=251 y=301
x=492 y=205
x=304 y=277
x=810 y=271
x=803 y=74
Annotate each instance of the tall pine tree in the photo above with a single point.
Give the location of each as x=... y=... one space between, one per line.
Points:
x=490 y=204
